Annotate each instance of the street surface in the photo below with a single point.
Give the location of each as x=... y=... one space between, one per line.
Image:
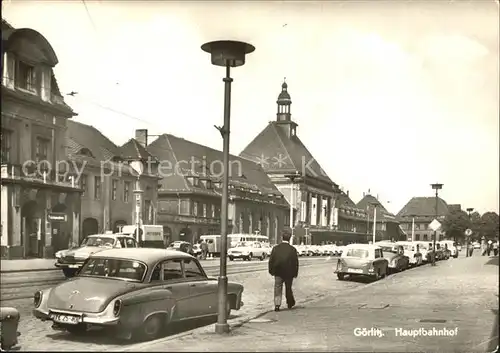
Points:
x=459 y=295
x=316 y=280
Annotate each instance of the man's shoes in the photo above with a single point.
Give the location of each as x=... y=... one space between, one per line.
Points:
x=277 y=308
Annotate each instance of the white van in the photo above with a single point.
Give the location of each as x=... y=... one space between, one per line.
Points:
x=151 y=235
x=452 y=247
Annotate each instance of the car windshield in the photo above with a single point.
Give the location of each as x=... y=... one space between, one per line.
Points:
x=98 y=241
x=242 y=244
x=129 y=270
x=361 y=253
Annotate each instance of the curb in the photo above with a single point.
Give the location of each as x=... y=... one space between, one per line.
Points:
x=29 y=270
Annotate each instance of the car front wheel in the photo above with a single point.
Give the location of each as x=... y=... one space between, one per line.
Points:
x=231 y=258
x=341 y=276
x=250 y=256
x=263 y=257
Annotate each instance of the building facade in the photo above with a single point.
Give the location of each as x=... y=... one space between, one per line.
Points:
x=108 y=182
x=40 y=205
x=387 y=226
x=189 y=201
x=416 y=216
x=295 y=172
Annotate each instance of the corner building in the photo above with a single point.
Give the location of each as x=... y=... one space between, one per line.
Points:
x=40 y=204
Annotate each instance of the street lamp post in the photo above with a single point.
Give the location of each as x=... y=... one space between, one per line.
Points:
x=292 y=178
x=138 y=167
x=469 y=213
x=436 y=187
x=228 y=54
x=374 y=222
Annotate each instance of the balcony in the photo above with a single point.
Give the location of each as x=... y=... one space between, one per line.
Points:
x=44 y=178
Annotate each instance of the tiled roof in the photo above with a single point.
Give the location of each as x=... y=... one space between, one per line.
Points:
x=345 y=201
x=423 y=207
x=368 y=202
x=132 y=149
x=276 y=152
x=80 y=136
x=194 y=159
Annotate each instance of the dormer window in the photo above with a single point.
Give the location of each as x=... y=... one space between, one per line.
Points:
x=25 y=77
x=85 y=152
x=193 y=180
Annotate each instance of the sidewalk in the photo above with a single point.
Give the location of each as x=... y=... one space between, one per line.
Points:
x=24 y=265
x=459 y=295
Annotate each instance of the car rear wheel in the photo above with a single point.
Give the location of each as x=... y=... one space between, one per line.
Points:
x=263 y=257
x=341 y=276
x=151 y=328
x=69 y=272
x=231 y=258
x=250 y=256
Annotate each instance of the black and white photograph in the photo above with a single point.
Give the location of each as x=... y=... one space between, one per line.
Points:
x=160 y=192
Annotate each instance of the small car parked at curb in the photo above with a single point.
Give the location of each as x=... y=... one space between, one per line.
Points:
x=412 y=250
x=398 y=261
x=362 y=260
x=138 y=292
x=9 y=323
x=71 y=260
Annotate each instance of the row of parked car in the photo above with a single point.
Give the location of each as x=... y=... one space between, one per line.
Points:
x=384 y=258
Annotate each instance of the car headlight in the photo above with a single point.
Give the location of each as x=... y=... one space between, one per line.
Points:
x=117 y=307
x=58 y=255
x=37 y=298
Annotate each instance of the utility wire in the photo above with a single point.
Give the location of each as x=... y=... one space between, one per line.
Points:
x=89 y=15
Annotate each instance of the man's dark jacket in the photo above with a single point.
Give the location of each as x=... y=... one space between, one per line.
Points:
x=284 y=261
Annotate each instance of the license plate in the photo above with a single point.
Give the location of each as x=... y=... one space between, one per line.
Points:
x=355 y=270
x=66 y=319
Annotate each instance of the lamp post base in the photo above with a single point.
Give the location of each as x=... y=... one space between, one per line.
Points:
x=221 y=328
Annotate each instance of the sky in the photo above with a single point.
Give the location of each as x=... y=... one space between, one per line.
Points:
x=389 y=96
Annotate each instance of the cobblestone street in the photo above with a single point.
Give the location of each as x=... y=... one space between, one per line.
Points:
x=314 y=282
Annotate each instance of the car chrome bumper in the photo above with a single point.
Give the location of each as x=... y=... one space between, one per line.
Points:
x=62 y=265
x=92 y=319
x=238 y=256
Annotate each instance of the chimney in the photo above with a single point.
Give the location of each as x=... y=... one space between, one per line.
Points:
x=141 y=136
x=347 y=193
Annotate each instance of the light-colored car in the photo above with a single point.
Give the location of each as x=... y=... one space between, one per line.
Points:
x=394 y=253
x=247 y=251
x=71 y=260
x=301 y=250
x=362 y=260
x=196 y=250
x=452 y=247
x=410 y=250
x=137 y=292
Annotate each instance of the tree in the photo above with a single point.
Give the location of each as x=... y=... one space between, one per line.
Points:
x=455 y=223
x=489 y=226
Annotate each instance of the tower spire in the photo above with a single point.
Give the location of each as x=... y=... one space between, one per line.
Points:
x=284 y=116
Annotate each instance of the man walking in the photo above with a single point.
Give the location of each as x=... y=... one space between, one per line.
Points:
x=284 y=266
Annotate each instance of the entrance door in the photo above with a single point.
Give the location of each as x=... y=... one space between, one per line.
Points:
x=31 y=229
x=89 y=226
